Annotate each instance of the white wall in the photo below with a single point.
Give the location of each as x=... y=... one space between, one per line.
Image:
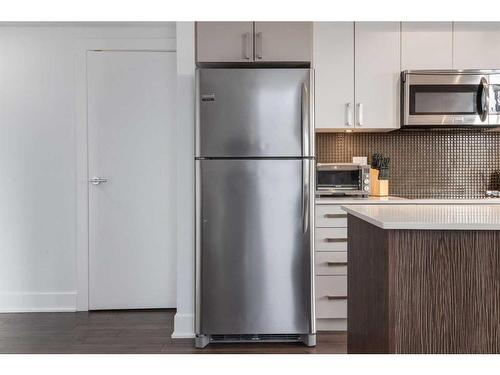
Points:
x=37 y=159
x=184 y=319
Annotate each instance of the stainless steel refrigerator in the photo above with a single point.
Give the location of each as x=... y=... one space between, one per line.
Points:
x=254 y=206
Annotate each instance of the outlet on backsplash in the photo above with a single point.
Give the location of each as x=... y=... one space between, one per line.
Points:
x=424 y=164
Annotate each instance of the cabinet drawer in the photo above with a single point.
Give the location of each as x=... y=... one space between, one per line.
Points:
x=331 y=263
x=331 y=297
x=330 y=239
x=330 y=216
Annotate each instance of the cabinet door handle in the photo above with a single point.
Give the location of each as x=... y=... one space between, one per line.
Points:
x=348 y=114
x=336 y=297
x=336 y=264
x=360 y=114
x=258 y=45
x=335 y=239
x=335 y=216
x=246 y=45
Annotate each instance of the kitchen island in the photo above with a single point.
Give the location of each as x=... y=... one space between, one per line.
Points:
x=423 y=278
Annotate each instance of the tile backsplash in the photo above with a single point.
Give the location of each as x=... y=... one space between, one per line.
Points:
x=424 y=164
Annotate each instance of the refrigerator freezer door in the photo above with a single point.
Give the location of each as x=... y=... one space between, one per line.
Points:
x=252 y=112
x=254 y=262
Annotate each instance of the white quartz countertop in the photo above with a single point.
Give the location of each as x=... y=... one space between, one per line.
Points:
x=429 y=216
x=356 y=200
x=398 y=200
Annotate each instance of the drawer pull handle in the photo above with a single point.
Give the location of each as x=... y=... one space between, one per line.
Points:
x=336 y=297
x=335 y=239
x=336 y=263
x=336 y=216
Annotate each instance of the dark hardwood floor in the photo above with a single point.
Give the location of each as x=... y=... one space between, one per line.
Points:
x=127 y=332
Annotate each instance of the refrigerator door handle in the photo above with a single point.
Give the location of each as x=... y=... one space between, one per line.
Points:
x=306 y=190
x=305 y=120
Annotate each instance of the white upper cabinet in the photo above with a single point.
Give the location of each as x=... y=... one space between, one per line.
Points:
x=476 y=45
x=245 y=42
x=357 y=68
x=283 y=41
x=377 y=69
x=224 y=41
x=426 y=45
x=333 y=57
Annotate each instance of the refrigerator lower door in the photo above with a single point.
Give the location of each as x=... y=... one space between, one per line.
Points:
x=254 y=257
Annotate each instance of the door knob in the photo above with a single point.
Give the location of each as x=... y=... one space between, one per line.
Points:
x=98 y=180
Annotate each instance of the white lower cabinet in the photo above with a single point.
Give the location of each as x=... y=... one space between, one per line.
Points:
x=331 y=239
x=328 y=216
x=331 y=268
x=331 y=297
x=331 y=263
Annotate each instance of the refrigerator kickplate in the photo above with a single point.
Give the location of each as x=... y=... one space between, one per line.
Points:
x=201 y=341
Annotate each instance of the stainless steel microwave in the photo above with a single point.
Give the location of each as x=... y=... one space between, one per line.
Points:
x=450 y=98
x=342 y=179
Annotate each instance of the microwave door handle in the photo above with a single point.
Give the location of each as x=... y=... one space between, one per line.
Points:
x=484 y=100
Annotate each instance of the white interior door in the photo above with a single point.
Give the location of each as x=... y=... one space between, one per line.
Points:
x=131 y=143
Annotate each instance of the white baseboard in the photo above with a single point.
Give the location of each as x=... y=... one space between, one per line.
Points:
x=183 y=326
x=13 y=302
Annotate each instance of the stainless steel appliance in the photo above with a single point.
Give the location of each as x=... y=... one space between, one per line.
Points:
x=450 y=98
x=254 y=206
x=334 y=179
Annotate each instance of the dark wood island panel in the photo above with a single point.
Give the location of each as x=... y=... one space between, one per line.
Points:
x=422 y=291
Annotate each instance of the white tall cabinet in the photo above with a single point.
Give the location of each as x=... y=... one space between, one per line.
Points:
x=357 y=68
x=476 y=45
x=426 y=45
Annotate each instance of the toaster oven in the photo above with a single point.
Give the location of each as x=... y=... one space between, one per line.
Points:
x=342 y=179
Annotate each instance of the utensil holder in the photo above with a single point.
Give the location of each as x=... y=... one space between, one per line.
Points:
x=378 y=188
